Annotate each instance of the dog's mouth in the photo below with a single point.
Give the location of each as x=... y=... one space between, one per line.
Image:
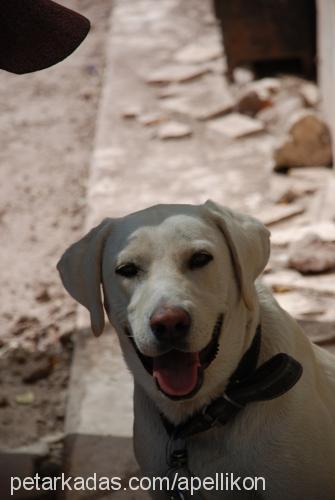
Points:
x=179 y=374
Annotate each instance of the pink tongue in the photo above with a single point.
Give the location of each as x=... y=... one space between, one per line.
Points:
x=177 y=372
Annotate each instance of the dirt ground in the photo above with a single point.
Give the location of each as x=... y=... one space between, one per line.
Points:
x=46 y=134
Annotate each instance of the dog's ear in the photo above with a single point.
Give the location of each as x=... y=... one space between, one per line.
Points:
x=249 y=243
x=80 y=271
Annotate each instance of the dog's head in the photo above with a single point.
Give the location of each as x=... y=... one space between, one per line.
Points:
x=173 y=277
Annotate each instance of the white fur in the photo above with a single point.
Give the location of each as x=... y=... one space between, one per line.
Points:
x=290 y=440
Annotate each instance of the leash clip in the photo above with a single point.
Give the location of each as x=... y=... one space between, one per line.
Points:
x=178 y=458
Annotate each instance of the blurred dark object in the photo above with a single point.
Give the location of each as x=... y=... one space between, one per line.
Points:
x=271 y=35
x=35 y=34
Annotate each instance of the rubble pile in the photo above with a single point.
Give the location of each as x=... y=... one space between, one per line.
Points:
x=192 y=96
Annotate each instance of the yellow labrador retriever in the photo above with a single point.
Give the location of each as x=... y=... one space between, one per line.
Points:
x=227 y=386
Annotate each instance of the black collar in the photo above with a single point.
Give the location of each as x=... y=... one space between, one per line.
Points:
x=246 y=385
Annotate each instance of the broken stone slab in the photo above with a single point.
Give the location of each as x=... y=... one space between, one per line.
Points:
x=171 y=90
x=324 y=339
x=314 y=310
x=236 y=125
x=290 y=195
x=312 y=255
x=289 y=280
x=281 y=281
x=278 y=213
x=175 y=73
x=315 y=175
x=324 y=206
x=300 y=305
x=205 y=49
x=323 y=284
x=131 y=112
x=251 y=102
x=283 y=237
x=174 y=130
x=201 y=105
x=148 y=119
x=308 y=142
x=218 y=67
x=288 y=188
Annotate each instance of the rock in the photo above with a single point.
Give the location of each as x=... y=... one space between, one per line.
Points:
x=251 y=102
x=131 y=112
x=53 y=438
x=308 y=143
x=311 y=255
x=175 y=73
x=300 y=305
x=324 y=340
x=25 y=398
x=236 y=125
x=174 y=130
x=289 y=195
x=40 y=370
x=3 y=401
x=310 y=93
x=322 y=285
x=149 y=119
x=324 y=206
x=282 y=280
x=318 y=176
x=277 y=213
x=283 y=237
x=25 y=323
x=201 y=105
x=43 y=295
x=257 y=96
x=19 y=356
x=172 y=90
x=205 y=49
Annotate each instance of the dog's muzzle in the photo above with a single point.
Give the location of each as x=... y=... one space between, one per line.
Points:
x=179 y=374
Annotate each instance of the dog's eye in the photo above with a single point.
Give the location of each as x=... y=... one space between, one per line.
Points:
x=200 y=259
x=127 y=270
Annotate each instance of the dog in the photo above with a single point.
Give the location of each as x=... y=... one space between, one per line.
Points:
x=225 y=381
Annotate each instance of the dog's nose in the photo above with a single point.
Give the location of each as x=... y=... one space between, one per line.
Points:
x=170 y=323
